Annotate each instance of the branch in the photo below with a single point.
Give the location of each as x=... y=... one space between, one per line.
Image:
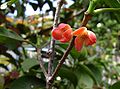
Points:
x=77 y=14
x=39 y=56
x=62 y=60
x=29 y=42
x=86 y=18
x=101 y=10
x=52 y=44
x=41 y=62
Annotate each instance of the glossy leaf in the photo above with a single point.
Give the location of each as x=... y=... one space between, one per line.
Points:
x=96 y=71
x=84 y=69
x=7 y=37
x=29 y=63
x=114 y=4
x=3 y=66
x=85 y=81
x=73 y=53
x=115 y=85
x=9 y=34
x=50 y=5
x=40 y=4
x=2 y=81
x=34 y=5
x=28 y=82
x=65 y=72
x=12 y=2
x=20 y=9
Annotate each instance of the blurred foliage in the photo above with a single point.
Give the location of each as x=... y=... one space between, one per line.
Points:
x=96 y=67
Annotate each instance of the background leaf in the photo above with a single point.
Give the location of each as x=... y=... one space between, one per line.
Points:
x=82 y=55
x=81 y=69
x=1 y=82
x=9 y=38
x=96 y=71
x=85 y=81
x=34 y=5
x=3 y=66
x=65 y=72
x=29 y=63
x=28 y=82
x=114 y=4
x=115 y=85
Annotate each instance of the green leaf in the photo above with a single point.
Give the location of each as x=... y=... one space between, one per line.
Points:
x=84 y=69
x=3 y=66
x=85 y=81
x=66 y=72
x=114 y=4
x=1 y=82
x=40 y=4
x=50 y=3
x=117 y=69
x=13 y=61
x=11 y=2
x=9 y=58
x=28 y=82
x=29 y=63
x=96 y=71
x=20 y=8
x=73 y=53
x=34 y=5
x=9 y=38
x=115 y=85
x=6 y=4
x=82 y=55
x=4 y=33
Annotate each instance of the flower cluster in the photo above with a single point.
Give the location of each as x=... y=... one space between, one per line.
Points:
x=64 y=33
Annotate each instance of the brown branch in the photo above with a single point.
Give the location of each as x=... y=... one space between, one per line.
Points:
x=85 y=20
x=62 y=60
x=52 y=45
x=39 y=58
x=41 y=62
x=77 y=14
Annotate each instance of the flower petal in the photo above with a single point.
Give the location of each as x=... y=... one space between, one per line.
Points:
x=63 y=27
x=91 y=38
x=64 y=40
x=80 y=31
x=78 y=43
x=62 y=33
x=56 y=34
x=66 y=36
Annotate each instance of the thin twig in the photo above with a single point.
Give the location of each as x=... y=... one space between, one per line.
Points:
x=52 y=44
x=41 y=62
x=38 y=57
x=77 y=14
x=62 y=59
x=86 y=18
x=29 y=42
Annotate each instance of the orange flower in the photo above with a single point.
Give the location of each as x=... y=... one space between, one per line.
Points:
x=83 y=36
x=62 y=33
